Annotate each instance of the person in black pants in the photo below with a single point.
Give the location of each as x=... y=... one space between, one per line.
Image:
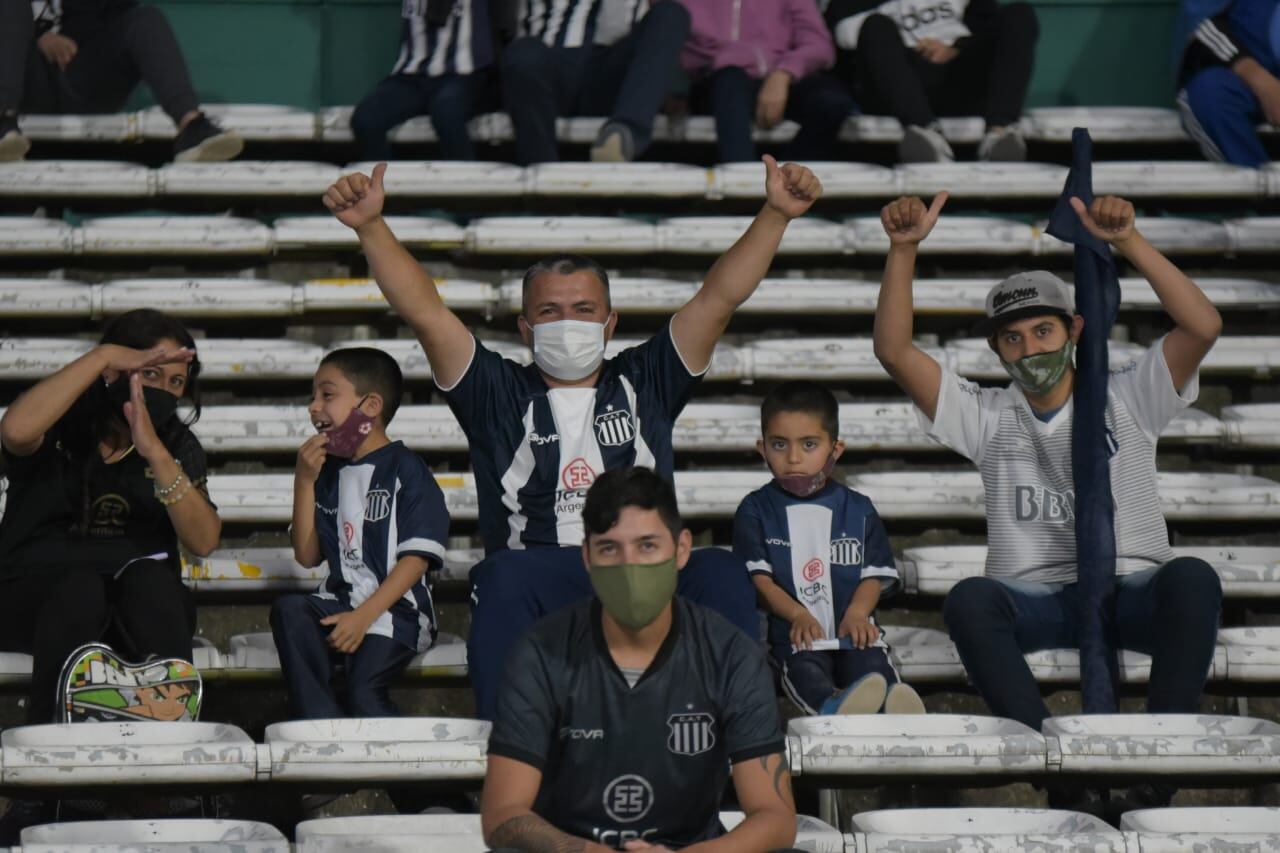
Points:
x=87 y=56
x=916 y=60
x=563 y=64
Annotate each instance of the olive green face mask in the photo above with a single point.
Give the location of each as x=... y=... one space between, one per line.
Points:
x=635 y=593
x=1037 y=374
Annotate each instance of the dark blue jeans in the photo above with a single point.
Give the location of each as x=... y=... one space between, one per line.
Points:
x=1170 y=613
x=819 y=103
x=306 y=661
x=627 y=81
x=810 y=678
x=451 y=100
x=510 y=590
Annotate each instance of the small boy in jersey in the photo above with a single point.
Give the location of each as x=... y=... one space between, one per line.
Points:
x=820 y=560
x=370 y=508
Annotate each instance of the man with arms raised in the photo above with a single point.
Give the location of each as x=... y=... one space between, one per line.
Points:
x=540 y=434
x=621 y=716
x=1020 y=439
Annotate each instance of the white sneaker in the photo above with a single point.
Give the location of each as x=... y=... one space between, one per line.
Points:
x=924 y=145
x=1003 y=146
x=13 y=145
x=903 y=699
x=864 y=696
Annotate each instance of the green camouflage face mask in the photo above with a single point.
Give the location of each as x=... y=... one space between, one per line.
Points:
x=1037 y=374
x=635 y=593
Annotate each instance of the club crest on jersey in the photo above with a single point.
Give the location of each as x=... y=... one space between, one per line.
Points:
x=615 y=428
x=691 y=734
x=577 y=475
x=377 y=505
x=846 y=552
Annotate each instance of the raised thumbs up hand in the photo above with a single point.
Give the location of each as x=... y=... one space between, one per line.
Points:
x=357 y=199
x=908 y=221
x=790 y=189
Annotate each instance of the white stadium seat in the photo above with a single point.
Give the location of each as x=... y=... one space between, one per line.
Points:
x=818 y=358
x=348 y=294
x=1253 y=654
x=966 y=235
x=1252 y=424
x=15 y=668
x=36 y=358
x=540 y=234
x=1163 y=744
x=702 y=130
x=629 y=295
x=206 y=656
x=407 y=749
x=1252 y=355
x=923 y=654
x=1255 y=234
x=154 y=836
x=334 y=125
x=35 y=235
x=617 y=180
x=1229 y=293
x=1106 y=124
x=983 y=180
x=973 y=357
x=285 y=428
x=446 y=179
x=263 y=358
x=712 y=235
x=202 y=297
x=152 y=753
x=326 y=232
x=254 y=122
x=75 y=178
x=45 y=297
x=812 y=835
x=1202 y=829
x=246 y=178
x=867 y=128
x=913 y=745
x=111 y=127
x=922 y=494
x=1273 y=179
x=1163 y=179
x=413 y=361
x=991 y=829
x=839 y=180
x=729 y=361
x=266 y=498
x=255 y=656
x=174 y=235
x=274 y=569
x=1170 y=234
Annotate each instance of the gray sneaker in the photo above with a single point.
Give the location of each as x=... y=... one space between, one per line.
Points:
x=1003 y=146
x=924 y=145
x=13 y=145
x=614 y=144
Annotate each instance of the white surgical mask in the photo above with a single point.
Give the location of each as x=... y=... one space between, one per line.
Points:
x=568 y=349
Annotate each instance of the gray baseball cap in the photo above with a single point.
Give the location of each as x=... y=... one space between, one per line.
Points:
x=1026 y=294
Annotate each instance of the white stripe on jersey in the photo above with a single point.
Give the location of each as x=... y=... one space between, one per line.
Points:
x=444 y=41
x=429 y=546
x=809 y=526
x=760 y=566
x=353 y=486
x=1214 y=39
x=464 y=62
x=644 y=454
x=554 y=21
x=515 y=478
x=576 y=28
x=418 y=35
x=573 y=410
x=383 y=626
x=401 y=59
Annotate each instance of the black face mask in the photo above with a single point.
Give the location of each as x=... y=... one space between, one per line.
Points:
x=161 y=405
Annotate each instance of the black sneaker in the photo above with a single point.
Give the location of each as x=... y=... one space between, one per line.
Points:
x=13 y=145
x=22 y=814
x=1146 y=795
x=203 y=141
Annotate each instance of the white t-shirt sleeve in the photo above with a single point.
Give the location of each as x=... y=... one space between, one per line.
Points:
x=1146 y=388
x=962 y=416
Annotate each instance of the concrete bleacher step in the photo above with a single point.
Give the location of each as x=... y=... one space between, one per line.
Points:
x=112 y=754
x=1200 y=829
x=254 y=656
x=322 y=231
x=362 y=294
x=202 y=297
x=36 y=235
x=246 y=178
x=275 y=570
x=1173 y=235
x=111 y=127
x=1005 y=830
x=1253 y=654
x=1164 y=179
x=154 y=836
x=1251 y=355
x=914 y=745
x=983 y=180
x=839 y=180
x=1164 y=745
x=253 y=122
x=620 y=180
x=78 y=178
x=713 y=235
x=1253 y=425
x=174 y=235
x=1106 y=124
x=969 y=235
x=447 y=178
x=401 y=749
x=820 y=358
x=531 y=234
x=1254 y=234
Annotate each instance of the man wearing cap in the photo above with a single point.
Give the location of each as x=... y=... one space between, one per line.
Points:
x=1019 y=436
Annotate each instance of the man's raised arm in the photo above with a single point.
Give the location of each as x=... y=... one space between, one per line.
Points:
x=356 y=200
x=790 y=190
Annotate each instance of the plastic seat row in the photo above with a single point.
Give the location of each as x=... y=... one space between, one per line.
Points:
x=441 y=179
x=202 y=235
x=735 y=359
x=796 y=295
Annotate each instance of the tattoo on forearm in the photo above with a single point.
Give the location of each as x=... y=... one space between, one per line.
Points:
x=532 y=834
x=780 y=776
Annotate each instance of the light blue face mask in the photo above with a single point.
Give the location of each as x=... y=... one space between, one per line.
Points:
x=1038 y=374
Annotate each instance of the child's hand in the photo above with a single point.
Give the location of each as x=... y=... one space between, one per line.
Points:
x=348 y=631
x=1109 y=218
x=907 y=221
x=311 y=458
x=859 y=629
x=804 y=630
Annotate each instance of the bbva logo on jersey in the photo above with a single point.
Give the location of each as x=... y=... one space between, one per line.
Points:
x=615 y=428
x=691 y=734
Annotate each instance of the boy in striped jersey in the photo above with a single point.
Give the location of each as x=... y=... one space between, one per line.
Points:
x=1020 y=438
x=820 y=560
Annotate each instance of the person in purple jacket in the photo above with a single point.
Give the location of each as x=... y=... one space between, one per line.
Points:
x=760 y=61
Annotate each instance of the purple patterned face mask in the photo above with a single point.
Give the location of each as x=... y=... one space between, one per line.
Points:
x=804 y=485
x=345 y=440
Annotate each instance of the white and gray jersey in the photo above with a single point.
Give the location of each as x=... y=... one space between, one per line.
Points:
x=1026 y=468
x=559 y=23
x=916 y=19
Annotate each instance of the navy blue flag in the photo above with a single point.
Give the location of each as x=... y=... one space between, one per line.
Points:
x=1097 y=300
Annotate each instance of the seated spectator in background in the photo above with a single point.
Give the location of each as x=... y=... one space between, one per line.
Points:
x=87 y=56
x=820 y=559
x=1229 y=73
x=1020 y=439
x=621 y=716
x=917 y=59
x=444 y=70
x=370 y=507
x=757 y=62
x=105 y=482
x=614 y=58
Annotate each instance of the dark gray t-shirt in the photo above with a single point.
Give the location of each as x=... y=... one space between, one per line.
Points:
x=649 y=761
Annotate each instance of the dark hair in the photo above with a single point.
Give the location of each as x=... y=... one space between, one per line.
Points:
x=802 y=396
x=635 y=486
x=372 y=371
x=564 y=263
